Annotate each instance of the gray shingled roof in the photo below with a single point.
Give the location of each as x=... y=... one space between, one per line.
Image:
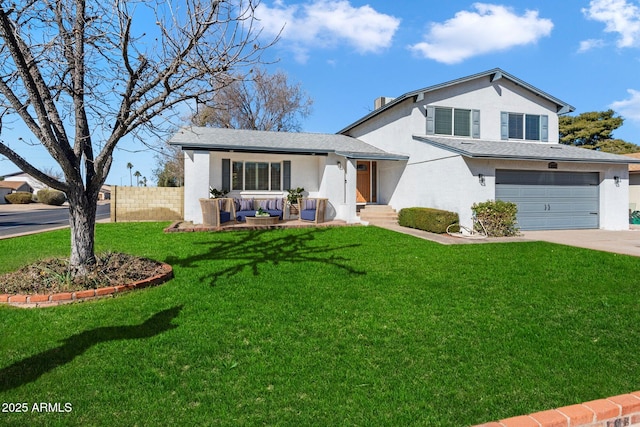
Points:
x=216 y=139
x=475 y=148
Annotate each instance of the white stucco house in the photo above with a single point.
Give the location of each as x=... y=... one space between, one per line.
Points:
x=482 y=137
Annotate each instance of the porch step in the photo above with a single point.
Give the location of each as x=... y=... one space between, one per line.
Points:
x=379 y=214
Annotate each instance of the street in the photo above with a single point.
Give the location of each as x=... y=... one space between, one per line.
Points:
x=26 y=219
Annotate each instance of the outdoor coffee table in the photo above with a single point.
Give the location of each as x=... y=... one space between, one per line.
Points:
x=262 y=220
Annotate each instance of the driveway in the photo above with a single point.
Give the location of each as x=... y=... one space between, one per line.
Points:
x=625 y=242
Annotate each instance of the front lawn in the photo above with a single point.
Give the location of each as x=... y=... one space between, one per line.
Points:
x=338 y=326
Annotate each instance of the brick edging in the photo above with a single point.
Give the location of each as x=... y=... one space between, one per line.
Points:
x=48 y=300
x=621 y=410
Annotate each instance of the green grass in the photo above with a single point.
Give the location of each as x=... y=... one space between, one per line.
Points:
x=340 y=326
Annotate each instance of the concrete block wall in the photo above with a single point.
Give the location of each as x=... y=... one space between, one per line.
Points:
x=616 y=411
x=147 y=204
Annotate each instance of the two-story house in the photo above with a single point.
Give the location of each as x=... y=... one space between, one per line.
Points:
x=482 y=137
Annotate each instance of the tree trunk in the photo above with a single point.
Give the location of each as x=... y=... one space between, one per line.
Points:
x=82 y=219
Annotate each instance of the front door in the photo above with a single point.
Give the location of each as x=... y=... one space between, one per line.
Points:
x=366 y=182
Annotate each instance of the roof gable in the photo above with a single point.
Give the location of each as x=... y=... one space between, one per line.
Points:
x=493 y=75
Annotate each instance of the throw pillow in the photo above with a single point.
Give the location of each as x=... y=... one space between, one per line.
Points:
x=309 y=204
x=246 y=204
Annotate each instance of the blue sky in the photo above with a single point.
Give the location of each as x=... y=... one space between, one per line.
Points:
x=345 y=53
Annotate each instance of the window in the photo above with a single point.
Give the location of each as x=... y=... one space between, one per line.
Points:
x=530 y=127
x=443 y=121
x=261 y=176
x=453 y=121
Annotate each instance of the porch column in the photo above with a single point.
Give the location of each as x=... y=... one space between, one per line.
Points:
x=196 y=183
x=351 y=174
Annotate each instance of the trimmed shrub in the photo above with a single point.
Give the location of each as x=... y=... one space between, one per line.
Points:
x=49 y=196
x=19 y=198
x=427 y=219
x=498 y=217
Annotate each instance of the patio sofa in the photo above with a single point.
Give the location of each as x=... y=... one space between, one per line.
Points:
x=216 y=211
x=312 y=209
x=248 y=207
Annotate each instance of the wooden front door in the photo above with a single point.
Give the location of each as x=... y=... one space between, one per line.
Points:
x=366 y=182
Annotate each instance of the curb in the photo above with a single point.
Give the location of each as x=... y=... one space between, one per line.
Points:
x=50 y=300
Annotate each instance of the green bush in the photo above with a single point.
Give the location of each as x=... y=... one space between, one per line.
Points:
x=498 y=217
x=427 y=219
x=19 y=198
x=50 y=196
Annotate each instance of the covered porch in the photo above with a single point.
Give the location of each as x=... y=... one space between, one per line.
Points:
x=264 y=165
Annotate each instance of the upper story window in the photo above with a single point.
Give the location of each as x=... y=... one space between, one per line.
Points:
x=453 y=121
x=529 y=127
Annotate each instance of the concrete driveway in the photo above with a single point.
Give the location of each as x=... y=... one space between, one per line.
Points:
x=625 y=242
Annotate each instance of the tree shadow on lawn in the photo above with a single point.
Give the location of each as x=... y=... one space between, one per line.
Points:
x=32 y=368
x=259 y=247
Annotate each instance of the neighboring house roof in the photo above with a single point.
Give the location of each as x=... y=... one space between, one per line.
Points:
x=475 y=148
x=14 y=185
x=240 y=140
x=634 y=167
x=494 y=74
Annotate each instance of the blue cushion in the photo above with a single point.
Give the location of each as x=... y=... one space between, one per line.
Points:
x=308 y=214
x=241 y=215
x=225 y=217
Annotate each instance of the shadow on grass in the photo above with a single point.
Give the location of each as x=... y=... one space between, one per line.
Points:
x=259 y=247
x=32 y=368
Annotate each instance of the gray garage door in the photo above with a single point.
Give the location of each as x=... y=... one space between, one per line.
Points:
x=551 y=200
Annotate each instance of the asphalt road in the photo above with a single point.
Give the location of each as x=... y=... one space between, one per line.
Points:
x=15 y=221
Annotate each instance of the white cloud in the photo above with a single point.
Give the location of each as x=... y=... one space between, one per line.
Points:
x=629 y=108
x=326 y=24
x=489 y=28
x=619 y=16
x=589 y=44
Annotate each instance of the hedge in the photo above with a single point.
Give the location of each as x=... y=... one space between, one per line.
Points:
x=19 y=198
x=427 y=219
x=51 y=197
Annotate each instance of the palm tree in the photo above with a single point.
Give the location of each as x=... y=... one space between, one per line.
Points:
x=130 y=166
x=137 y=175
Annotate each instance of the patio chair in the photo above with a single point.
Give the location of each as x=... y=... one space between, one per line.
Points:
x=312 y=209
x=216 y=212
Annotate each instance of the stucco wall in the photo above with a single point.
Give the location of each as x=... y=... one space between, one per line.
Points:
x=146 y=203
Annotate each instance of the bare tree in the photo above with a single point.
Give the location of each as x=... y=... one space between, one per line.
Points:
x=260 y=102
x=84 y=74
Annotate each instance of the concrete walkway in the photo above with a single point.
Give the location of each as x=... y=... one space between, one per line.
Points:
x=625 y=242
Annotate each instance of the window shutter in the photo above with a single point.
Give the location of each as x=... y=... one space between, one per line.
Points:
x=286 y=174
x=475 y=123
x=431 y=113
x=226 y=175
x=504 y=125
x=544 y=128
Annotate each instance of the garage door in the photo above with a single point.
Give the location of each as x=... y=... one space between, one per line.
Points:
x=551 y=200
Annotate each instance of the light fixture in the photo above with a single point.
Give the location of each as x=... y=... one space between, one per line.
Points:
x=339 y=163
x=616 y=179
x=481 y=179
